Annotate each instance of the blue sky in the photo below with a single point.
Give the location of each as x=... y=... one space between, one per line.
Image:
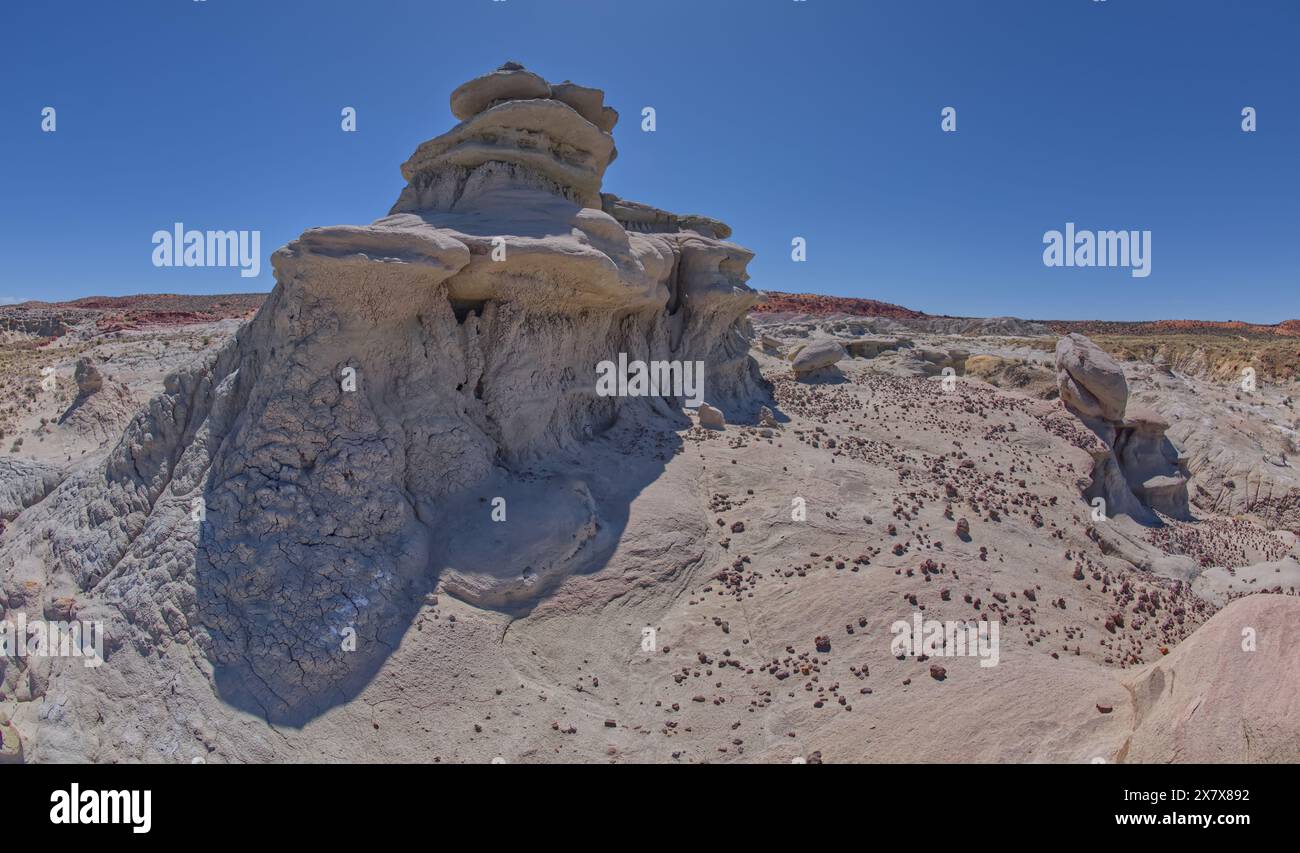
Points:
x=818 y=119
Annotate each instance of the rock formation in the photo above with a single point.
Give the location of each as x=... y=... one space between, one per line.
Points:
x=395 y=518
x=933 y=362
x=23 y=483
x=88 y=378
x=308 y=483
x=1189 y=707
x=816 y=356
x=1137 y=468
x=711 y=418
x=11 y=745
x=101 y=408
x=872 y=347
x=1092 y=383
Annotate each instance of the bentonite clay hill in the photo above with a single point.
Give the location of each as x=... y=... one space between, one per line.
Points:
x=390 y=518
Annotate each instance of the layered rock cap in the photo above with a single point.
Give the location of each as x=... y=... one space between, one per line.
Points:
x=555 y=137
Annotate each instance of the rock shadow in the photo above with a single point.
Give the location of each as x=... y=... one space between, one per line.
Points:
x=292 y=641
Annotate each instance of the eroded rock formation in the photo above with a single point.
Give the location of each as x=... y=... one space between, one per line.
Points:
x=24 y=482
x=307 y=484
x=1137 y=468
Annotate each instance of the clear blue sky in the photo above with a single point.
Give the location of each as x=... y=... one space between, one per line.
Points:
x=817 y=119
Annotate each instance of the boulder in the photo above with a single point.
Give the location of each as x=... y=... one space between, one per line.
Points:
x=817 y=355
x=1091 y=381
x=711 y=418
x=11 y=746
x=89 y=379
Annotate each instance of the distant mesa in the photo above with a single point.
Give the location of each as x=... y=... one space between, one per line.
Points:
x=885 y=317
x=1285 y=329
x=817 y=305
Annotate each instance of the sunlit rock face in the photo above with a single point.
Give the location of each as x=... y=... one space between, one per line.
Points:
x=473 y=318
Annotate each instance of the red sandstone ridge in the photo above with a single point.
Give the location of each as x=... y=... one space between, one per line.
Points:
x=1287 y=328
x=818 y=305
x=116 y=321
x=116 y=313
x=161 y=306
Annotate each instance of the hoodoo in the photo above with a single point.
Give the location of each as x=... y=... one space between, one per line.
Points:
x=1137 y=468
x=282 y=517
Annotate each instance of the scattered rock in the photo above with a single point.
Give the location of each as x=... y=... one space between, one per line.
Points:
x=711 y=418
x=11 y=745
